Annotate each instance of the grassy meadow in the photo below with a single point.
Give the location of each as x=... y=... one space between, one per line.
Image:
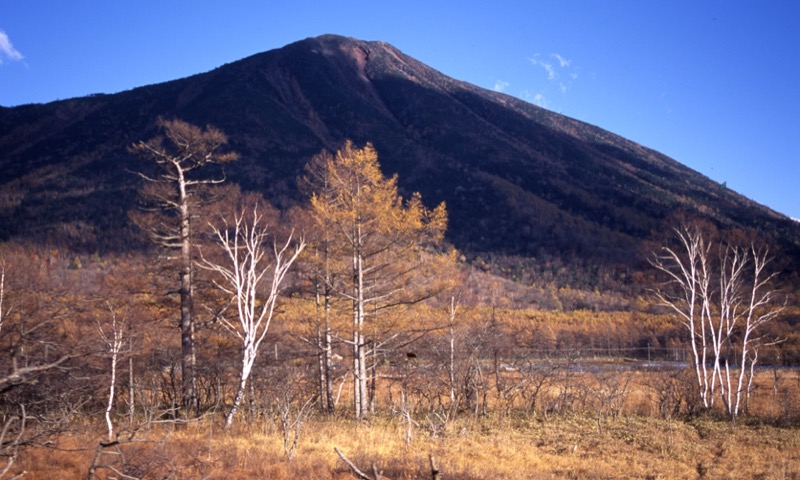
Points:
x=585 y=443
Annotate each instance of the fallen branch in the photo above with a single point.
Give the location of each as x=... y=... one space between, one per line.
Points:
x=358 y=473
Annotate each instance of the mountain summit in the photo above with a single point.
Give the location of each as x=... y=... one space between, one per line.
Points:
x=518 y=180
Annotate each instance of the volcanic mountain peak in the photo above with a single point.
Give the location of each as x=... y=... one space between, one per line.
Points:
x=518 y=180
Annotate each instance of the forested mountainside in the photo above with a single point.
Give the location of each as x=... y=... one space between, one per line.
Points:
x=523 y=185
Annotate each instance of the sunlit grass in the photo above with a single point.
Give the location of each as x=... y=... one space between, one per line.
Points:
x=585 y=444
x=568 y=446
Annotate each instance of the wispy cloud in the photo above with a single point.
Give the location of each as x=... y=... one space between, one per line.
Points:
x=554 y=69
x=559 y=70
x=7 y=50
x=561 y=60
x=501 y=86
x=546 y=65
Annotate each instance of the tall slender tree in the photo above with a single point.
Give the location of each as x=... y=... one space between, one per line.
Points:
x=172 y=197
x=723 y=301
x=321 y=266
x=380 y=238
x=253 y=281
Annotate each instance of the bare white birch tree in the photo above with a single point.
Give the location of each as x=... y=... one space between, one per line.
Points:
x=750 y=310
x=113 y=342
x=686 y=267
x=244 y=274
x=722 y=305
x=8 y=446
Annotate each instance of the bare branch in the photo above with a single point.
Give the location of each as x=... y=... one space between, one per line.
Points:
x=242 y=273
x=358 y=473
x=24 y=375
x=721 y=304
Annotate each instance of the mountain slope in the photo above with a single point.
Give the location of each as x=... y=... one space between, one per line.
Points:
x=517 y=179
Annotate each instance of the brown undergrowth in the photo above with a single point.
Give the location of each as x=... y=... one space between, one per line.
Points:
x=599 y=434
x=509 y=447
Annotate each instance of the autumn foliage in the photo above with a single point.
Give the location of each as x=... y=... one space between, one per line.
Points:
x=381 y=334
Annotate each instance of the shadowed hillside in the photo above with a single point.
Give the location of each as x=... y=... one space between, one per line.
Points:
x=519 y=181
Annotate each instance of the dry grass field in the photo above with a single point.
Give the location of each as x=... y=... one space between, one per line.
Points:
x=482 y=448
x=634 y=444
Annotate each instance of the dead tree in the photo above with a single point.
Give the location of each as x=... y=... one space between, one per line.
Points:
x=171 y=198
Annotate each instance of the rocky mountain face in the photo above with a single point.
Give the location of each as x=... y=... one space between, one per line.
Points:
x=519 y=181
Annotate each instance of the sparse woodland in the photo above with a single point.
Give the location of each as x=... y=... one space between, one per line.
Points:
x=346 y=338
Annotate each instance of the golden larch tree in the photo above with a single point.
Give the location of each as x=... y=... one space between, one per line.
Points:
x=379 y=240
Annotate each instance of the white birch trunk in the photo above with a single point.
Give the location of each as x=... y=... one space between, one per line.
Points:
x=722 y=314
x=242 y=278
x=247 y=365
x=113 y=342
x=451 y=366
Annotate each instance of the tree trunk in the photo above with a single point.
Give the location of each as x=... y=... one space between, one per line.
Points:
x=322 y=392
x=451 y=366
x=111 y=388
x=324 y=353
x=373 y=378
x=237 y=399
x=362 y=363
x=359 y=347
x=131 y=388
x=328 y=355
x=357 y=392
x=188 y=381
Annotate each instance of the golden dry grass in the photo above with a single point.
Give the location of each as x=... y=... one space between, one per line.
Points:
x=470 y=448
x=632 y=444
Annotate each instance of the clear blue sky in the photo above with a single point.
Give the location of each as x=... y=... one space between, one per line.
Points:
x=713 y=84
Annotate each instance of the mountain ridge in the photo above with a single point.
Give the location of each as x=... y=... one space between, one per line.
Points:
x=518 y=180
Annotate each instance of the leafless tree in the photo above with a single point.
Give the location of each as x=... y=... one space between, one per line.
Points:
x=171 y=195
x=13 y=371
x=19 y=369
x=750 y=305
x=723 y=304
x=113 y=341
x=242 y=275
x=293 y=411
x=11 y=438
x=8 y=441
x=688 y=270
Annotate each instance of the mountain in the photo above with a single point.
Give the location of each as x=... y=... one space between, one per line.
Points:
x=520 y=182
